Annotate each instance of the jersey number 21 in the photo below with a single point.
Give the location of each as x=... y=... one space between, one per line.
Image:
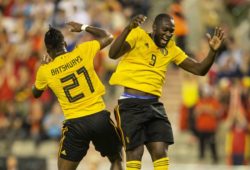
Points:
x=75 y=83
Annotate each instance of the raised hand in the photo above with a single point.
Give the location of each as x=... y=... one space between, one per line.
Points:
x=75 y=27
x=46 y=59
x=136 y=21
x=216 y=41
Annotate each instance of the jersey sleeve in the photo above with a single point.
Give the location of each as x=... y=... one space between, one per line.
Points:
x=41 y=81
x=180 y=56
x=89 y=49
x=133 y=37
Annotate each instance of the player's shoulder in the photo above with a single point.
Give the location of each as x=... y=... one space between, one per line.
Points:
x=139 y=30
x=47 y=66
x=44 y=66
x=42 y=69
x=172 y=44
x=87 y=43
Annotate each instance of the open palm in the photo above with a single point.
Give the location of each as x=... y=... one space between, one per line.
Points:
x=75 y=27
x=216 y=41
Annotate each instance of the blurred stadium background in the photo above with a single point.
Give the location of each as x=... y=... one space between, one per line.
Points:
x=30 y=129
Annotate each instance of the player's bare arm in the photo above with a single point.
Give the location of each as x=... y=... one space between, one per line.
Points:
x=120 y=46
x=36 y=92
x=201 y=68
x=104 y=37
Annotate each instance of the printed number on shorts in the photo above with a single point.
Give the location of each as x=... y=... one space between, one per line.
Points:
x=153 y=60
x=72 y=77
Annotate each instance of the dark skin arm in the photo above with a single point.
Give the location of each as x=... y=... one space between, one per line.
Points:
x=120 y=46
x=201 y=68
x=36 y=92
x=104 y=37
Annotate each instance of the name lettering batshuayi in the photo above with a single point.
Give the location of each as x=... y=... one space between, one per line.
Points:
x=66 y=66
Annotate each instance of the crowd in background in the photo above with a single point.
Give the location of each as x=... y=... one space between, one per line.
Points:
x=224 y=94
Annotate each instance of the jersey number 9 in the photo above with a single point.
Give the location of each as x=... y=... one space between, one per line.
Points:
x=153 y=60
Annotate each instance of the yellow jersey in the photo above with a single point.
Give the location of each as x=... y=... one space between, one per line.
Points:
x=73 y=80
x=144 y=67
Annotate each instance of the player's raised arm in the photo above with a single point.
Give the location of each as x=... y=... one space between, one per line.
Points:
x=201 y=68
x=120 y=46
x=104 y=37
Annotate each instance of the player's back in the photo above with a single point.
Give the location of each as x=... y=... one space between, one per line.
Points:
x=72 y=78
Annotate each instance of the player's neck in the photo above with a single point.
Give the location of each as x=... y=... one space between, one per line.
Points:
x=60 y=52
x=151 y=35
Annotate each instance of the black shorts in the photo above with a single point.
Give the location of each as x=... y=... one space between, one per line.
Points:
x=141 y=121
x=98 y=128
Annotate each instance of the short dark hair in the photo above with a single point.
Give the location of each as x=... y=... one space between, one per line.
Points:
x=160 y=17
x=53 y=39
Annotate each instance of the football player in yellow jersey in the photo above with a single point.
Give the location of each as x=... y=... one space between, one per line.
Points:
x=141 y=71
x=71 y=76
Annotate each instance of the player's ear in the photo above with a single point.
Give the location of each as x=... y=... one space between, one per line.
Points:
x=154 y=27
